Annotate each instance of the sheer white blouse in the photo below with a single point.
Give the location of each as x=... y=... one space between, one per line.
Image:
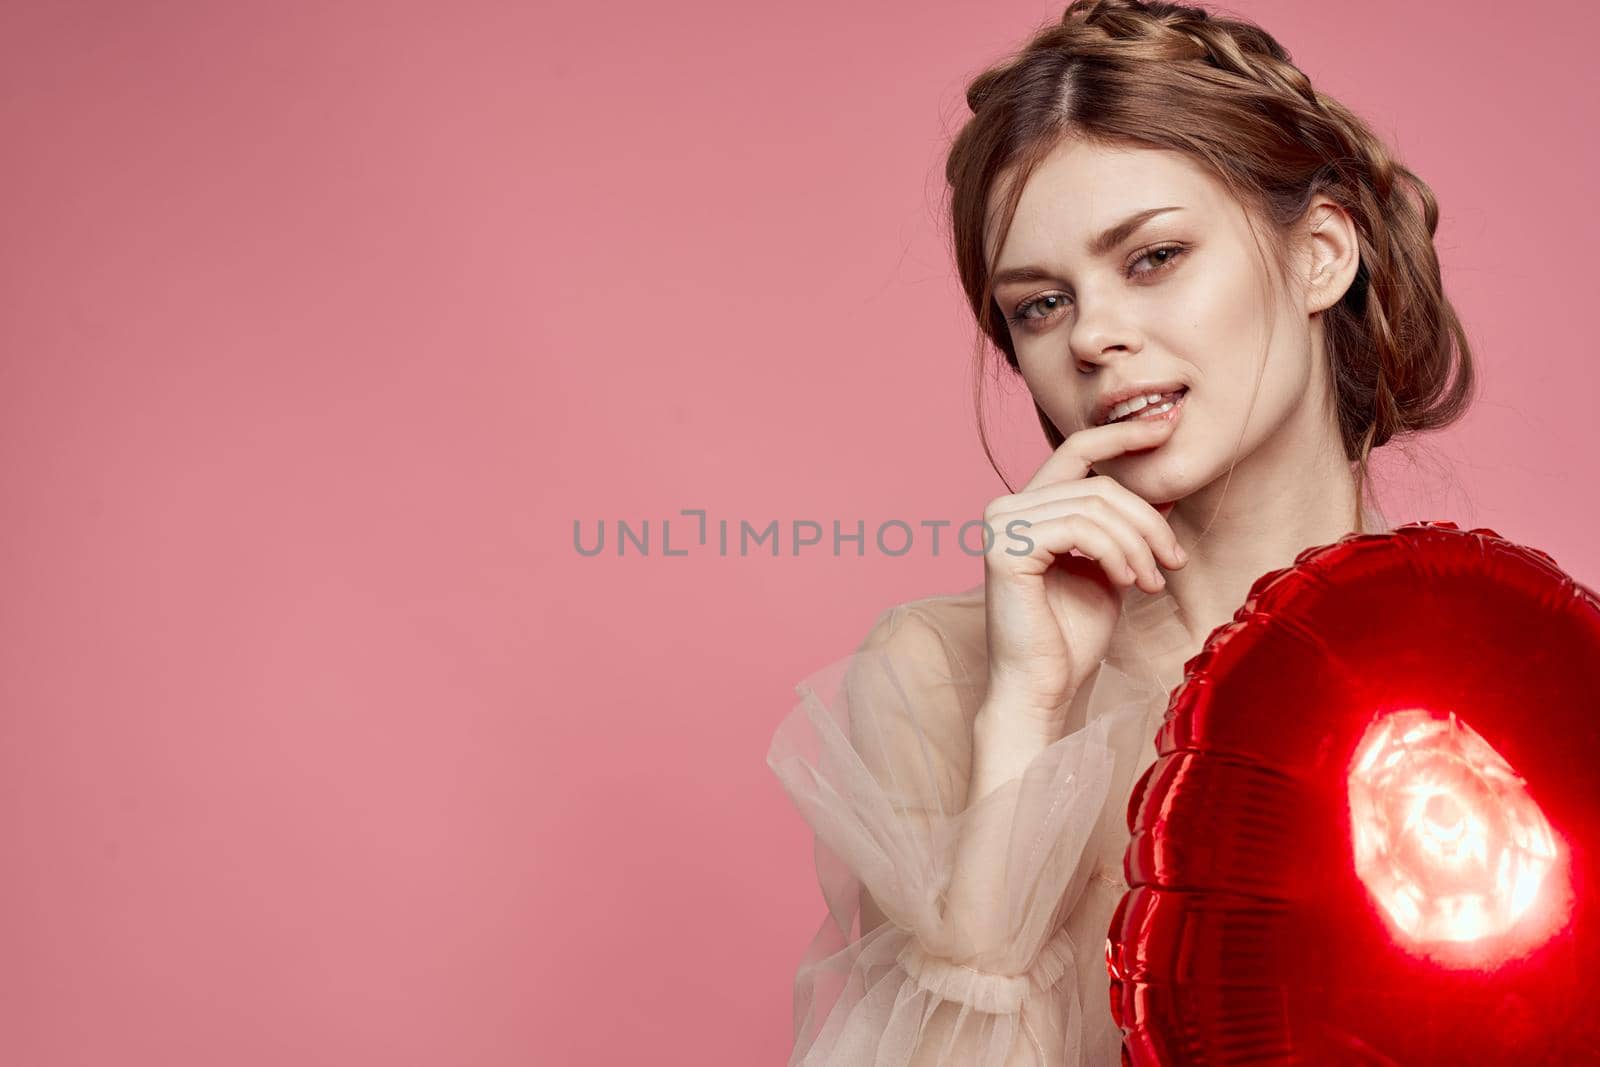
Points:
x=877 y=754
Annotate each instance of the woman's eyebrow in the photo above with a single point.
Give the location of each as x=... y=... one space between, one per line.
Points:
x=1097 y=246
x=1114 y=236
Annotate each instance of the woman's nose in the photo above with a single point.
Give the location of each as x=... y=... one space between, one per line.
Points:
x=1101 y=333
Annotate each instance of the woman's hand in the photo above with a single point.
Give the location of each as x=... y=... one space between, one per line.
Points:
x=1051 y=614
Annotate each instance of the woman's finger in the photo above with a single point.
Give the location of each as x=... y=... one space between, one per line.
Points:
x=1149 y=519
x=1145 y=517
x=1082 y=450
x=1033 y=547
x=1132 y=541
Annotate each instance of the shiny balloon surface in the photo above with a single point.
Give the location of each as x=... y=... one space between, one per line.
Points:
x=1368 y=834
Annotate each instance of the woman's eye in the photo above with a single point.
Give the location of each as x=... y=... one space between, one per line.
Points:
x=1042 y=302
x=1162 y=256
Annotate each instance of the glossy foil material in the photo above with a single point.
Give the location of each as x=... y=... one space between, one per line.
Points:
x=1369 y=835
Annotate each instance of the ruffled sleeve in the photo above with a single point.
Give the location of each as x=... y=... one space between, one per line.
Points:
x=877 y=755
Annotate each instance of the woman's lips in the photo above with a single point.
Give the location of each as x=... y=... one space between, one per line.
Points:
x=1171 y=414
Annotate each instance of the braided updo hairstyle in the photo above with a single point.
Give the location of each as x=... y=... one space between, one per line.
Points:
x=1224 y=92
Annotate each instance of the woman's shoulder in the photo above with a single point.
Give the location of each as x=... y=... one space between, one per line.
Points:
x=941 y=631
x=921 y=670
x=953 y=610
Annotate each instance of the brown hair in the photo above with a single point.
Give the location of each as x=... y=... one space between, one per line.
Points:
x=1224 y=92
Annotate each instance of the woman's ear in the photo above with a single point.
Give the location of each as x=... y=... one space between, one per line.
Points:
x=1331 y=253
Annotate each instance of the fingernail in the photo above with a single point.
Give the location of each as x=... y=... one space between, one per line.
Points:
x=1183 y=557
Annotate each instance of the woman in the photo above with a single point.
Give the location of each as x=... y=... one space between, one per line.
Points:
x=1222 y=293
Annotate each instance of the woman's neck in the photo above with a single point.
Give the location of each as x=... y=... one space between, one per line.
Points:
x=1237 y=530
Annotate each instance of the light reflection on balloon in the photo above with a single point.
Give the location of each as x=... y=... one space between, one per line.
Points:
x=1444 y=833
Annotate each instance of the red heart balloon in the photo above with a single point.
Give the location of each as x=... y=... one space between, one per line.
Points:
x=1367 y=836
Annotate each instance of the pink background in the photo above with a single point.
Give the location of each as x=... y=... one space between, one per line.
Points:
x=324 y=322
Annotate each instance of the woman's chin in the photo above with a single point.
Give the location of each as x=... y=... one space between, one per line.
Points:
x=1151 y=486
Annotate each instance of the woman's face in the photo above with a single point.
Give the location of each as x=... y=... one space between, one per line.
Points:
x=1181 y=297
